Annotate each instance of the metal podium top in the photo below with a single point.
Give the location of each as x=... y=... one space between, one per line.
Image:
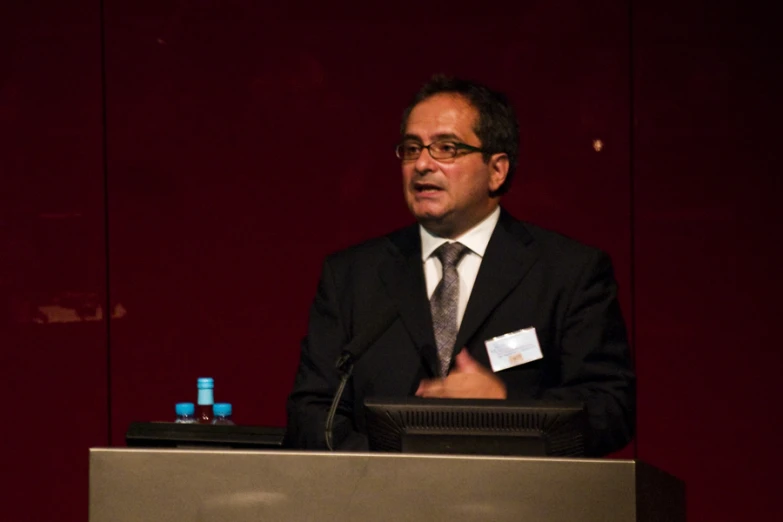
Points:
x=239 y=486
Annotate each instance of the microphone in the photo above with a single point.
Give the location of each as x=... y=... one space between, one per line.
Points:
x=351 y=353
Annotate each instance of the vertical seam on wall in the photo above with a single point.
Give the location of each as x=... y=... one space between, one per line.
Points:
x=105 y=161
x=632 y=207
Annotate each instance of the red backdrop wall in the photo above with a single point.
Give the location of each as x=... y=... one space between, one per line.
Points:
x=184 y=166
x=706 y=196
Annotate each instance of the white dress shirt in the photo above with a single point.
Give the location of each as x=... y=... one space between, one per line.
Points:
x=476 y=239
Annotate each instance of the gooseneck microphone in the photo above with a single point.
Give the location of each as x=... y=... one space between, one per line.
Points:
x=351 y=353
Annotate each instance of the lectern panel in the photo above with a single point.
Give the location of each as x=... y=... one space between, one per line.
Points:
x=245 y=486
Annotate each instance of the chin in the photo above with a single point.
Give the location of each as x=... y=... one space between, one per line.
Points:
x=437 y=224
x=426 y=210
x=428 y=217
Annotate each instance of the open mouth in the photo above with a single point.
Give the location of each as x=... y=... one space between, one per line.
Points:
x=424 y=187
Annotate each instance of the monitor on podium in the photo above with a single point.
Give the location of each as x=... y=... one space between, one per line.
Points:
x=476 y=427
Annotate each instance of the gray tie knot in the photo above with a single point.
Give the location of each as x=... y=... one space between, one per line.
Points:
x=450 y=254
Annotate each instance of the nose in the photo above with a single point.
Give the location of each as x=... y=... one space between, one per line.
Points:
x=425 y=163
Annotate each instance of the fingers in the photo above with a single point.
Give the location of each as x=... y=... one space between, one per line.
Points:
x=481 y=385
x=463 y=362
x=431 y=388
x=468 y=380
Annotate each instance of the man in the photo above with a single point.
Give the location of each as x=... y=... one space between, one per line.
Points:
x=466 y=273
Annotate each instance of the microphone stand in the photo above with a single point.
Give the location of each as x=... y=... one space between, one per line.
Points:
x=345 y=366
x=350 y=354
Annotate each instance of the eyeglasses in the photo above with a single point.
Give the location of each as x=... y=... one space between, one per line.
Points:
x=439 y=150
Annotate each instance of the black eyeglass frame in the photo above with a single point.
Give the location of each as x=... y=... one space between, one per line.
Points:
x=458 y=146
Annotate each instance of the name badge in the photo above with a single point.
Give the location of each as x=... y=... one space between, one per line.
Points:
x=513 y=349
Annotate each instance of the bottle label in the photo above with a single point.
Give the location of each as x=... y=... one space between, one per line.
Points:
x=205 y=397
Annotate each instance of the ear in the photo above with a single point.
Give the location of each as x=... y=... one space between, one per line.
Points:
x=498 y=170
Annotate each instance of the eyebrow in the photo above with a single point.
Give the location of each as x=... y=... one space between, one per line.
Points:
x=438 y=137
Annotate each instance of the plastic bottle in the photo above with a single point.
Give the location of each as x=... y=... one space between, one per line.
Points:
x=206 y=399
x=222 y=411
x=185 y=413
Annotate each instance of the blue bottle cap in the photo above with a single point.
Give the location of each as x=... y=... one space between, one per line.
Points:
x=185 y=408
x=222 y=409
x=205 y=383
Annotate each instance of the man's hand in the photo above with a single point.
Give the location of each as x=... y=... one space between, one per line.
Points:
x=468 y=380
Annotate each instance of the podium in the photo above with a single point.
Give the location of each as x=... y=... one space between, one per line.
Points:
x=242 y=486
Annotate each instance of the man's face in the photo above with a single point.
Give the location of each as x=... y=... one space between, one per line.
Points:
x=449 y=196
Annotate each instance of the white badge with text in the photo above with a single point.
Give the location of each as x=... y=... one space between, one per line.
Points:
x=513 y=349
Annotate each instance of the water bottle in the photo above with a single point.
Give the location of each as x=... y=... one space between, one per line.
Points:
x=206 y=398
x=185 y=413
x=222 y=411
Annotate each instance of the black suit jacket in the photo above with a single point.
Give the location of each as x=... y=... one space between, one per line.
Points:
x=528 y=277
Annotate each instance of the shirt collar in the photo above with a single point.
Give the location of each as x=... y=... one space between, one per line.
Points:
x=476 y=239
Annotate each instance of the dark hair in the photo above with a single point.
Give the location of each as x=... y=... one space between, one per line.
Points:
x=496 y=127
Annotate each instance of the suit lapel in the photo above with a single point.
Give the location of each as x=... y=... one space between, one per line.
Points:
x=403 y=276
x=509 y=256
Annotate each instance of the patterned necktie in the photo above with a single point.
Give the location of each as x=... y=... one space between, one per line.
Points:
x=443 y=303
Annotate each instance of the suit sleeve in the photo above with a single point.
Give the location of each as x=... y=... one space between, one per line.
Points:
x=595 y=365
x=317 y=378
